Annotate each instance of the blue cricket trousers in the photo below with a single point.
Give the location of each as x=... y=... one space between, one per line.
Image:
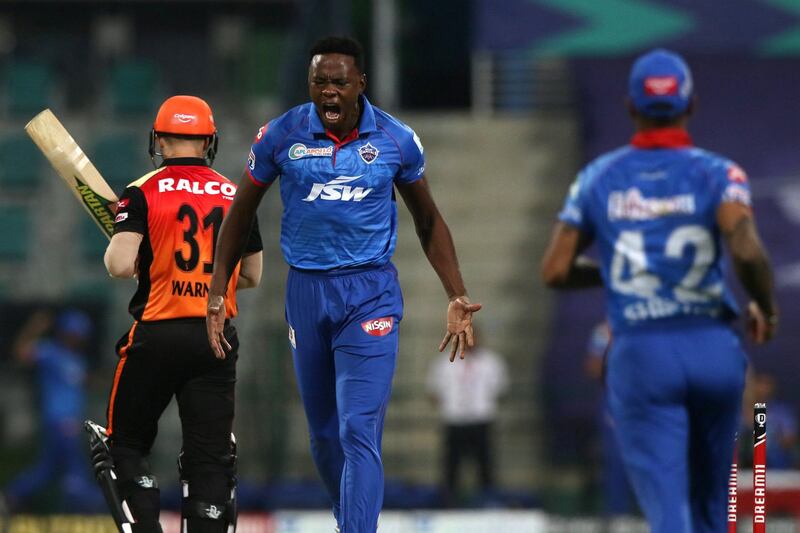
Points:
x=343 y=328
x=675 y=395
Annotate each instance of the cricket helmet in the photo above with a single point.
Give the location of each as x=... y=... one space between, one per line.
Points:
x=185 y=116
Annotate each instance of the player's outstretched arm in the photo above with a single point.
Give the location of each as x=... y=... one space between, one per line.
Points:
x=752 y=268
x=231 y=241
x=562 y=265
x=437 y=243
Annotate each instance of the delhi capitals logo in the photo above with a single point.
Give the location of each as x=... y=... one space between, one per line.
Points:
x=368 y=153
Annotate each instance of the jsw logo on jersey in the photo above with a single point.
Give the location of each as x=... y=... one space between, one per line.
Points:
x=378 y=327
x=336 y=190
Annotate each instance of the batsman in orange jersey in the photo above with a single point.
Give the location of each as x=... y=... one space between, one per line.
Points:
x=165 y=235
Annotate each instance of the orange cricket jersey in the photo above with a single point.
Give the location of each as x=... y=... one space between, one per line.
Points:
x=178 y=209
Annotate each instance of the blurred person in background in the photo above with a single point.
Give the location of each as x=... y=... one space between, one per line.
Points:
x=659 y=210
x=164 y=235
x=467 y=396
x=56 y=348
x=341 y=161
x=781 y=422
x=616 y=491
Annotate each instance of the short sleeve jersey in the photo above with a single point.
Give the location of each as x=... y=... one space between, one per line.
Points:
x=178 y=209
x=651 y=207
x=339 y=206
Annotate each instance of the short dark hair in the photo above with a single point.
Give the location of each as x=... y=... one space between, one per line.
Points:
x=339 y=45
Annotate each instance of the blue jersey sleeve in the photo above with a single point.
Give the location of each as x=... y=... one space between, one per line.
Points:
x=413 y=158
x=44 y=354
x=260 y=162
x=730 y=183
x=575 y=210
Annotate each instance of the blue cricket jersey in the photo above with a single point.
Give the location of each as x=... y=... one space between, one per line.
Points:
x=339 y=207
x=651 y=208
x=62 y=375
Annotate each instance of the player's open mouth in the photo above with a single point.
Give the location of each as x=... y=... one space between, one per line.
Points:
x=331 y=112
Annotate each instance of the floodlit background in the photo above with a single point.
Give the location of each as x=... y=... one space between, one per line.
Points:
x=510 y=99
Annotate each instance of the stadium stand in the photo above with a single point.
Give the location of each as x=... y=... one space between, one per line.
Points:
x=15 y=237
x=20 y=164
x=93 y=243
x=133 y=87
x=28 y=88
x=120 y=157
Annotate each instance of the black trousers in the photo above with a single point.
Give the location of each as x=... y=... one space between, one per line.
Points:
x=159 y=360
x=465 y=441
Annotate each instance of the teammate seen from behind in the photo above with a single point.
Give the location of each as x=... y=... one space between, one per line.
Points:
x=340 y=160
x=659 y=210
x=165 y=231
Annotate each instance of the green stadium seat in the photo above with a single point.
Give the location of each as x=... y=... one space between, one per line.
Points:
x=259 y=71
x=93 y=242
x=94 y=291
x=121 y=158
x=20 y=163
x=28 y=88
x=15 y=233
x=133 y=87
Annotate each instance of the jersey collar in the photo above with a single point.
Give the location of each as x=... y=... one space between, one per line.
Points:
x=352 y=136
x=662 y=138
x=185 y=161
x=365 y=125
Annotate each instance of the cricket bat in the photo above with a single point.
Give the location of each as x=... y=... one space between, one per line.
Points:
x=78 y=172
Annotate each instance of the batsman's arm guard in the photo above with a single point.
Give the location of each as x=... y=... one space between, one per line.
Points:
x=103 y=466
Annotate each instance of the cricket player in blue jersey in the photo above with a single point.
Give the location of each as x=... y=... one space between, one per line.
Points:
x=339 y=160
x=658 y=210
x=62 y=372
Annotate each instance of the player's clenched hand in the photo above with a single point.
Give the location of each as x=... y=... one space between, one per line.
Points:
x=760 y=327
x=215 y=326
x=459 y=326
